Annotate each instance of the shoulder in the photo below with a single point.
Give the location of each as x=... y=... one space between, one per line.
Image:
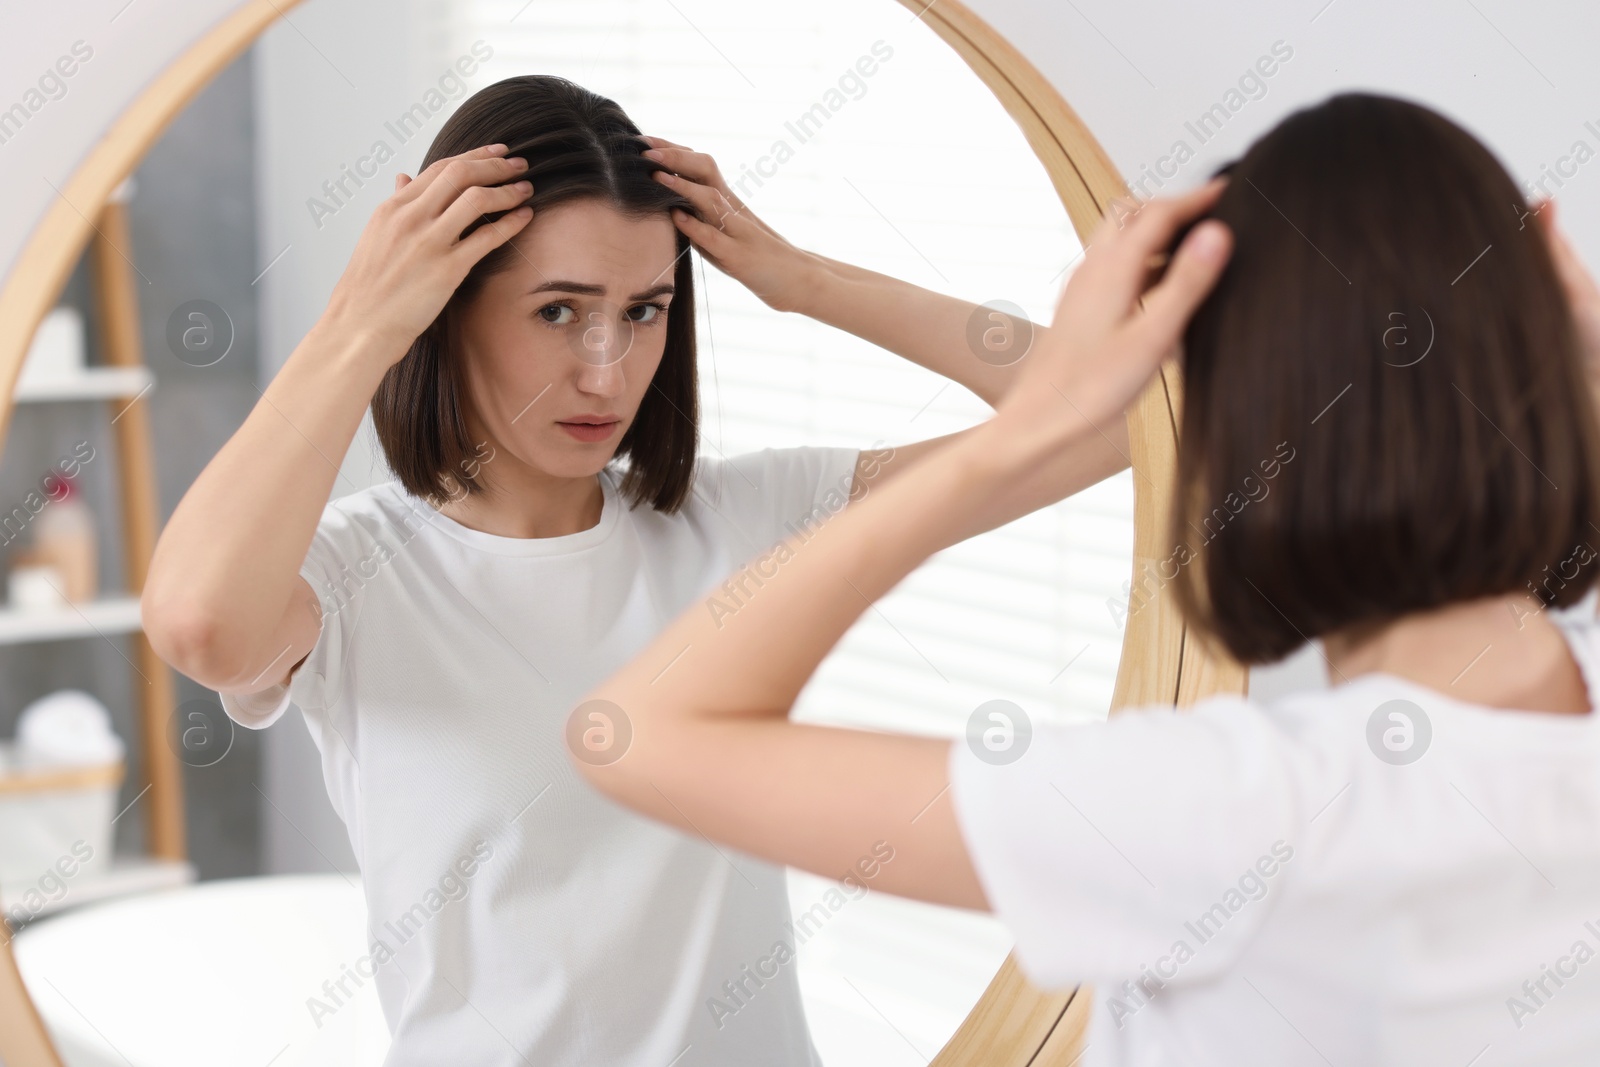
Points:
x=1102 y=839
x=814 y=468
x=773 y=491
x=1146 y=763
x=1224 y=774
x=1225 y=742
x=379 y=517
x=385 y=504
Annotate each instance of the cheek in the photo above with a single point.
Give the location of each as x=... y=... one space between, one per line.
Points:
x=643 y=363
x=650 y=352
x=516 y=355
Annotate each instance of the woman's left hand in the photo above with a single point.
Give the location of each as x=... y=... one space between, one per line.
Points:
x=728 y=233
x=1582 y=292
x=1112 y=329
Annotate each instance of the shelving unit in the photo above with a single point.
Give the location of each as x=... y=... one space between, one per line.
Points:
x=78 y=215
x=108 y=615
x=126 y=874
x=121 y=382
x=94 y=383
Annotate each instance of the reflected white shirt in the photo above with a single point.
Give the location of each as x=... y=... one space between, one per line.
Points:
x=529 y=919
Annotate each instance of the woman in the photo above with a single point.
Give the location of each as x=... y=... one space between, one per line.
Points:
x=529 y=357
x=1402 y=869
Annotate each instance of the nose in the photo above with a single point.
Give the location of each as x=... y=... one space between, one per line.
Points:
x=602 y=347
x=602 y=379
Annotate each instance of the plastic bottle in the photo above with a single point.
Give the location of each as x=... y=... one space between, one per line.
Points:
x=64 y=536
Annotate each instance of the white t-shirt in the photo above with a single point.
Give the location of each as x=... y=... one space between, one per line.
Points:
x=516 y=916
x=1274 y=892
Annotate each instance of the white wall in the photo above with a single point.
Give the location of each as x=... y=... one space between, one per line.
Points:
x=121 y=48
x=1520 y=75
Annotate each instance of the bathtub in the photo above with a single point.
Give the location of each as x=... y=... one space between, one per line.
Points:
x=222 y=973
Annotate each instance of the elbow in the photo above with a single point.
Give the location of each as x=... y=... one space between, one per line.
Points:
x=600 y=745
x=190 y=638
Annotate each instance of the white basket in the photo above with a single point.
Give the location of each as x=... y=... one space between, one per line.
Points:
x=55 y=819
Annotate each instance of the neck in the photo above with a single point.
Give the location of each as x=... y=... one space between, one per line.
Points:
x=519 y=501
x=1502 y=652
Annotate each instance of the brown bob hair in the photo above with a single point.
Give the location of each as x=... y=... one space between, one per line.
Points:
x=1385 y=404
x=578 y=144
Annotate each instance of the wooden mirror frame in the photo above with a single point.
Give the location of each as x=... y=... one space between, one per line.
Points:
x=1012 y=1025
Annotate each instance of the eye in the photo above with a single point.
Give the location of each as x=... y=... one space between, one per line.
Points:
x=643 y=313
x=557 y=314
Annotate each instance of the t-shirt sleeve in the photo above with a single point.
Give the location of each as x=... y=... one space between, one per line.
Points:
x=770 y=495
x=315 y=683
x=1105 y=846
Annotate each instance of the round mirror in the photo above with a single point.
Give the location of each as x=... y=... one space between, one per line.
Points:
x=902 y=139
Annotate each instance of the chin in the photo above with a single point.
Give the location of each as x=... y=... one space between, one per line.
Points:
x=557 y=455
x=574 y=461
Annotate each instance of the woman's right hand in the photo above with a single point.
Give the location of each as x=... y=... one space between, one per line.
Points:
x=411 y=257
x=728 y=233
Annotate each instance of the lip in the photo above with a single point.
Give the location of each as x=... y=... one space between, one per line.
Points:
x=590 y=428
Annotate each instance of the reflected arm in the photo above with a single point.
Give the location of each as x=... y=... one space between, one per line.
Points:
x=930 y=329
x=943 y=333
x=934 y=331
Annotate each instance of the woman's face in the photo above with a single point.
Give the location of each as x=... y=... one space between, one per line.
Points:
x=560 y=347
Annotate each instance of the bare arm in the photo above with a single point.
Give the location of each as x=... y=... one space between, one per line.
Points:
x=712 y=750
x=224 y=602
x=930 y=329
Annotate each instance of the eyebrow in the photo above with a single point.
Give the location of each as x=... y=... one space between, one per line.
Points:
x=587 y=289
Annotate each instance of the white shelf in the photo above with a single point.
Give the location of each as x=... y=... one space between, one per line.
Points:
x=92 y=383
x=108 y=615
x=127 y=875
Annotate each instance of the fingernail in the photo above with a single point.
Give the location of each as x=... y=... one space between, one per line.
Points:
x=517 y=161
x=666 y=176
x=1208 y=240
x=498 y=148
x=654 y=154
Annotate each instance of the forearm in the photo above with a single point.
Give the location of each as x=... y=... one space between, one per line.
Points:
x=227 y=562
x=930 y=329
